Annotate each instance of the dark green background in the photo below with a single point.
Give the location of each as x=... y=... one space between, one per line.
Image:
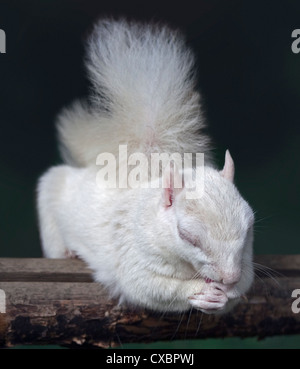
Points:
x=248 y=76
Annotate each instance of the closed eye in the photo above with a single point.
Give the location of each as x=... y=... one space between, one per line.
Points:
x=186 y=236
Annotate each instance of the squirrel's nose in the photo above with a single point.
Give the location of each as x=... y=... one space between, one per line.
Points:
x=231 y=278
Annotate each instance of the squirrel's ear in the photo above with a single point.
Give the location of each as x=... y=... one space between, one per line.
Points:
x=172 y=183
x=228 y=169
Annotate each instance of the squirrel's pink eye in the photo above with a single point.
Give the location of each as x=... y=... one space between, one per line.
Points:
x=186 y=236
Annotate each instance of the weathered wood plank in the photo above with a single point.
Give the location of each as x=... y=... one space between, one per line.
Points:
x=44 y=270
x=286 y=265
x=55 y=311
x=23 y=266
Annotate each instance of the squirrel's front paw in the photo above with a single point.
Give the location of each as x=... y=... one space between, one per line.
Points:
x=210 y=300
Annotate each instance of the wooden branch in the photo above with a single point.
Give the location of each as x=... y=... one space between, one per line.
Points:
x=56 y=302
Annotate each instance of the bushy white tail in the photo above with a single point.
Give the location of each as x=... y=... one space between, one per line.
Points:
x=143 y=95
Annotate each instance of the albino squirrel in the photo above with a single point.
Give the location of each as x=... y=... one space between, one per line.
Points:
x=151 y=246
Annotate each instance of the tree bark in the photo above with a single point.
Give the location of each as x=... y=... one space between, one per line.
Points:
x=51 y=301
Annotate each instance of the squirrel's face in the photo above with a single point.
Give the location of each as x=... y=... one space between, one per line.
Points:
x=215 y=231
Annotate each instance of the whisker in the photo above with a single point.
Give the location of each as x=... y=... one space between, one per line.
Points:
x=265 y=270
x=188 y=322
x=263 y=282
x=119 y=340
x=264 y=267
x=198 y=327
x=259 y=220
x=182 y=315
x=268 y=272
x=259 y=268
x=257 y=226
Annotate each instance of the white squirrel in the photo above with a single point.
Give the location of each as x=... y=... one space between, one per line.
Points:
x=151 y=247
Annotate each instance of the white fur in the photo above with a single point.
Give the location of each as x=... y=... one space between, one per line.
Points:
x=150 y=247
x=132 y=242
x=144 y=96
